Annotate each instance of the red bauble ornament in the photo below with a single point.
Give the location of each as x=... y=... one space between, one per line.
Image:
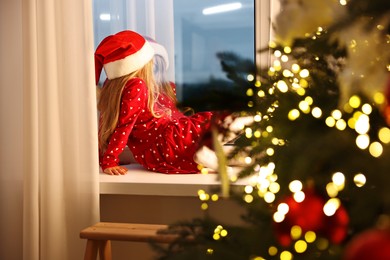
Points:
x=370 y=244
x=309 y=216
x=387 y=107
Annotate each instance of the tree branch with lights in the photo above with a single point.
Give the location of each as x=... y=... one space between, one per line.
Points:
x=316 y=153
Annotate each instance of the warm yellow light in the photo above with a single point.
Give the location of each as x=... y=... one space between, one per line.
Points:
x=257 y=118
x=352 y=123
x=295 y=68
x=258 y=258
x=248 y=198
x=274 y=187
x=287 y=74
x=367 y=109
x=379 y=98
x=248 y=160
x=277 y=65
x=248 y=189
x=362 y=124
x=309 y=100
x=299 y=196
x=224 y=233
x=384 y=135
x=286 y=255
x=250 y=77
x=331 y=206
x=330 y=121
x=277 y=53
x=284 y=58
x=354 y=101
x=270 y=151
x=204 y=171
x=301 y=91
x=293 y=114
x=278 y=217
x=336 y=114
x=272 y=44
x=338 y=178
x=296 y=232
x=341 y=124
x=282 y=86
x=304 y=73
x=248 y=132
x=272 y=251
x=363 y=141
x=295 y=186
x=316 y=112
x=269 y=197
x=303 y=83
x=343 y=2
x=304 y=107
x=376 y=149
x=359 y=180
x=204 y=196
x=310 y=236
x=204 y=206
x=214 y=197
x=332 y=190
x=287 y=49
x=283 y=208
x=261 y=93
x=249 y=92
x=300 y=246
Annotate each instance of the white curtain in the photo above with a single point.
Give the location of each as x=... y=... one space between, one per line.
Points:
x=48 y=149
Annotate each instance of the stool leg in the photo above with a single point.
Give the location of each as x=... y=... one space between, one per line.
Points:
x=91 y=250
x=105 y=250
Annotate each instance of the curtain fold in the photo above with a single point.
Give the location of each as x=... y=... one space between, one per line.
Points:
x=59 y=125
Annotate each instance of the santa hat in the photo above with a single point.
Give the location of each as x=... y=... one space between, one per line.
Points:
x=121 y=54
x=159 y=50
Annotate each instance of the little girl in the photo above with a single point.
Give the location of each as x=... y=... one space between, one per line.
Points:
x=131 y=112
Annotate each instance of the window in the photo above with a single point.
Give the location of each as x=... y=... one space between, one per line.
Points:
x=191 y=30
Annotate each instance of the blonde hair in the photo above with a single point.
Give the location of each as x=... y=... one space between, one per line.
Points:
x=109 y=100
x=161 y=79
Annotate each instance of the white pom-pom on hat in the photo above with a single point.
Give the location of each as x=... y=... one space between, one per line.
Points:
x=159 y=50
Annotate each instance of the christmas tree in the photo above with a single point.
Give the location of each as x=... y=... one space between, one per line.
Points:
x=316 y=151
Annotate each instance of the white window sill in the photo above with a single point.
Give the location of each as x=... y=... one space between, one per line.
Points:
x=139 y=181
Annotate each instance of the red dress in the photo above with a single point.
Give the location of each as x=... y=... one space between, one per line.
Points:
x=166 y=144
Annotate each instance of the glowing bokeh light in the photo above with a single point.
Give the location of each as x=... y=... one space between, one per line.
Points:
x=362 y=141
x=295 y=186
x=359 y=180
x=300 y=246
x=376 y=149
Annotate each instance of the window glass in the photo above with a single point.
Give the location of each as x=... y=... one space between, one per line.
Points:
x=204 y=28
x=191 y=30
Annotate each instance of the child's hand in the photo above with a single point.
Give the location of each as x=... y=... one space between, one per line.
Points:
x=116 y=170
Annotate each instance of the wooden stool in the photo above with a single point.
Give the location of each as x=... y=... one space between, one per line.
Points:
x=100 y=235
